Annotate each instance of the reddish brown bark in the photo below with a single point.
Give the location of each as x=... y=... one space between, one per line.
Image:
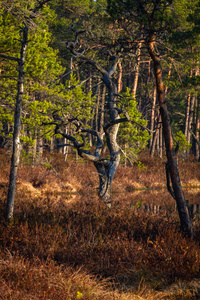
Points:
x=186 y=225
x=119 y=81
x=135 y=82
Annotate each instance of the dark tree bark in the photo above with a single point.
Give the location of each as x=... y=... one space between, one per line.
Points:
x=17 y=120
x=186 y=225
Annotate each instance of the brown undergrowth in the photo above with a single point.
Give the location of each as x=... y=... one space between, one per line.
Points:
x=65 y=244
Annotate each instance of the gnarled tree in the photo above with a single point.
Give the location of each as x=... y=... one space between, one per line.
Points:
x=106 y=168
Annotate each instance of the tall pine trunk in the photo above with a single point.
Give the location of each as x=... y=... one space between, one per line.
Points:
x=137 y=66
x=186 y=225
x=17 y=130
x=17 y=120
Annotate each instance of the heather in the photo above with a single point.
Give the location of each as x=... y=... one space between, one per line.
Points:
x=66 y=244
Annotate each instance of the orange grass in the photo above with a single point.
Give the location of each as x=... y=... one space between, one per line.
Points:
x=70 y=246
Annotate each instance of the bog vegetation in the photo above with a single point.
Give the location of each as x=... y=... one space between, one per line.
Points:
x=65 y=244
x=91 y=91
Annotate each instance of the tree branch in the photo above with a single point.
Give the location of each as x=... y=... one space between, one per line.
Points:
x=78 y=84
x=71 y=47
x=194 y=136
x=117 y=121
x=113 y=67
x=10 y=57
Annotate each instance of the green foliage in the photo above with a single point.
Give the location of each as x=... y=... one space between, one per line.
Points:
x=41 y=66
x=43 y=94
x=182 y=142
x=26 y=157
x=141 y=166
x=132 y=135
x=140 y=13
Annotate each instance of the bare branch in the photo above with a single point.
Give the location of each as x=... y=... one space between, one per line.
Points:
x=41 y=3
x=113 y=67
x=71 y=47
x=91 y=157
x=194 y=136
x=114 y=122
x=63 y=145
x=10 y=57
x=143 y=127
x=122 y=111
x=126 y=156
x=78 y=84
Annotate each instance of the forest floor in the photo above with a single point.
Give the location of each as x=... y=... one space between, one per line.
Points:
x=65 y=244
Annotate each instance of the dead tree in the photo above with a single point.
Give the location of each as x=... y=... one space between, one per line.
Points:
x=106 y=168
x=18 y=109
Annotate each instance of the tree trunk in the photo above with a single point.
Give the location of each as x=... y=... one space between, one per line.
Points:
x=160 y=138
x=197 y=129
x=153 y=146
x=155 y=135
x=17 y=130
x=186 y=225
x=152 y=117
x=187 y=115
x=97 y=94
x=17 y=120
x=119 y=80
x=137 y=65
x=106 y=174
x=101 y=118
x=191 y=115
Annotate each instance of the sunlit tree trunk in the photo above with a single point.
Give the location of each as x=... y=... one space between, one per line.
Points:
x=186 y=225
x=137 y=66
x=101 y=117
x=196 y=130
x=191 y=115
x=97 y=106
x=17 y=129
x=152 y=118
x=119 y=80
x=161 y=141
x=187 y=118
x=17 y=120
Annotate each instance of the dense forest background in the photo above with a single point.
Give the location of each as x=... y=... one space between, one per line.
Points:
x=57 y=85
x=90 y=90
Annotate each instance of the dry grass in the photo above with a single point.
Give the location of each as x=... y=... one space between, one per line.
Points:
x=64 y=245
